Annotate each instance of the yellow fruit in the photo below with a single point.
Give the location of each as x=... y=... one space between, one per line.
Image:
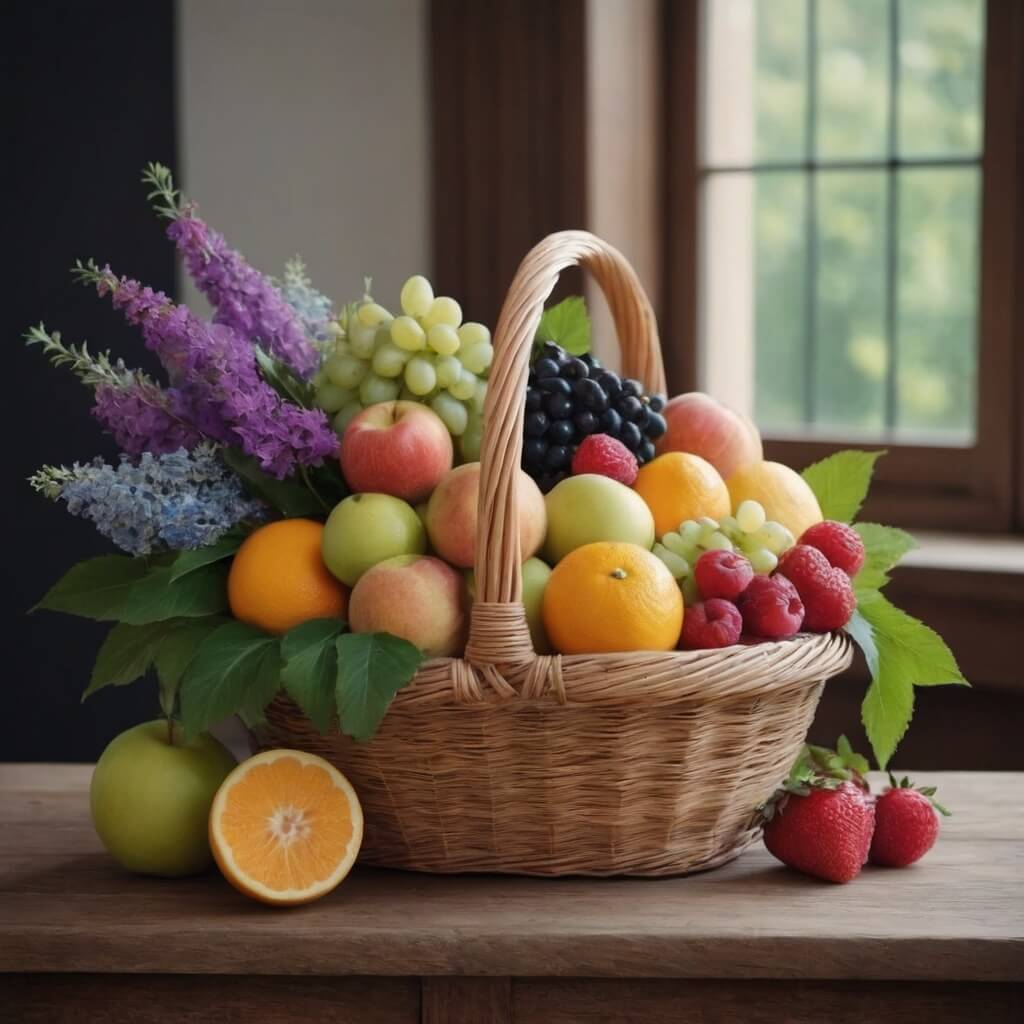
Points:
x=609 y=596
x=285 y=827
x=278 y=578
x=785 y=495
x=678 y=486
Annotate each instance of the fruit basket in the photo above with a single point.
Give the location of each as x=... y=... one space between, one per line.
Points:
x=599 y=764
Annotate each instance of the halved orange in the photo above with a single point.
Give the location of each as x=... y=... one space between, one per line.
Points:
x=285 y=827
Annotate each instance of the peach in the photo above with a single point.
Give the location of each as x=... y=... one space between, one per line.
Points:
x=451 y=516
x=397 y=448
x=416 y=597
x=701 y=425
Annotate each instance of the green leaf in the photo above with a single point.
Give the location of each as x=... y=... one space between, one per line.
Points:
x=189 y=561
x=126 y=655
x=909 y=654
x=288 y=384
x=311 y=668
x=567 y=324
x=884 y=546
x=841 y=482
x=372 y=668
x=864 y=636
x=157 y=596
x=175 y=653
x=290 y=498
x=99 y=588
x=237 y=668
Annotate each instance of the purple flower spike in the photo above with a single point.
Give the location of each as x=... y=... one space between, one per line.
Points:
x=140 y=419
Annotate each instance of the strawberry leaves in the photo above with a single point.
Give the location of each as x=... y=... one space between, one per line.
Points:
x=841 y=482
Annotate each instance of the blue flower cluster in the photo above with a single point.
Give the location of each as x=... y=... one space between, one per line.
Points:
x=314 y=309
x=177 y=501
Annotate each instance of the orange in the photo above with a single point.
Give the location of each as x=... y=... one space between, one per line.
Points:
x=609 y=596
x=787 y=498
x=285 y=827
x=679 y=486
x=278 y=578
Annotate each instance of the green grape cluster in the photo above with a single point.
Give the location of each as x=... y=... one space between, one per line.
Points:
x=748 y=532
x=426 y=354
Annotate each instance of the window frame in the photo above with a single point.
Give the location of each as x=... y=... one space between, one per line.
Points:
x=977 y=488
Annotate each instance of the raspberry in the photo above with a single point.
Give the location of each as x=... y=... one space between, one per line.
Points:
x=771 y=608
x=826 y=592
x=722 y=574
x=839 y=543
x=712 y=623
x=604 y=455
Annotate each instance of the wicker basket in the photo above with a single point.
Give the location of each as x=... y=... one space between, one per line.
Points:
x=610 y=764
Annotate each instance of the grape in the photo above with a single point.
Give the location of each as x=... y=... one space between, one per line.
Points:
x=443 y=310
x=345 y=371
x=729 y=526
x=479 y=396
x=453 y=413
x=762 y=560
x=361 y=339
x=691 y=595
x=341 y=347
x=750 y=516
x=372 y=314
x=717 y=541
x=465 y=387
x=420 y=377
x=376 y=389
x=389 y=360
x=477 y=358
x=417 y=296
x=448 y=370
x=690 y=531
x=773 y=536
x=345 y=416
x=331 y=398
x=679 y=567
x=469 y=442
x=675 y=543
x=472 y=333
x=443 y=339
x=408 y=334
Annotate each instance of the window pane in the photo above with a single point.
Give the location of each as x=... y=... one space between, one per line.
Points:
x=850 y=359
x=937 y=301
x=941 y=79
x=780 y=276
x=755 y=81
x=853 y=79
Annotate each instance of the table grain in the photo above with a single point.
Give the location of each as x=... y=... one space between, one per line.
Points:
x=943 y=938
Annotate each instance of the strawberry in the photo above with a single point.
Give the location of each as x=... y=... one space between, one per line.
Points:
x=906 y=825
x=822 y=821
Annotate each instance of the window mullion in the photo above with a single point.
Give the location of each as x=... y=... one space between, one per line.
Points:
x=810 y=220
x=892 y=269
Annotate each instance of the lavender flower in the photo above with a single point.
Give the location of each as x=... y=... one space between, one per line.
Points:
x=135 y=409
x=176 y=501
x=243 y=298
x=314 y=309
x=217 y=387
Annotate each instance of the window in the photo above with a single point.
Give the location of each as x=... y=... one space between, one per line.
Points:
x=850 y=220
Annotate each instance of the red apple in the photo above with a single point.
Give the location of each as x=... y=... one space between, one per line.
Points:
x=701 y=425
x=397 y=448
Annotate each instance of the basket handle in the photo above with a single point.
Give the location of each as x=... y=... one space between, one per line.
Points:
x=498 y=577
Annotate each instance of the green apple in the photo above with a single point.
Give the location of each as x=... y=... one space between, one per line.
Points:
x=150 y=798
x=535 y=578
x=365 y=529
x=588 y=508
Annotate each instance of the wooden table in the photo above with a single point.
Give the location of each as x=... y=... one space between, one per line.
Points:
x=81 y=940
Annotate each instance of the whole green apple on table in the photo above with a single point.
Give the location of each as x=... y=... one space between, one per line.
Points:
x=297 y=511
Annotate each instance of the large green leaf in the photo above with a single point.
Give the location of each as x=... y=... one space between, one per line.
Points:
x=99 y=588
x=567 y=324
x=159 y=596
x=284 y=380
x=292 y=499
x=310 y=668
x=372 y=668
x=860 y=630
x=189 y=561
x=841 y=482
x=237 y=668
x=175 y=653
x=884 y=546
x=126 y=654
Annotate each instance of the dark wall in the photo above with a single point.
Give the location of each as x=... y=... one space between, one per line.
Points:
x=89 y=91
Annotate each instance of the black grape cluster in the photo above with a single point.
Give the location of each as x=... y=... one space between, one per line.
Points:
x=569 y=397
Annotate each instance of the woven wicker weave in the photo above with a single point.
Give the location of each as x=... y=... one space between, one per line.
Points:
x=612 y=764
